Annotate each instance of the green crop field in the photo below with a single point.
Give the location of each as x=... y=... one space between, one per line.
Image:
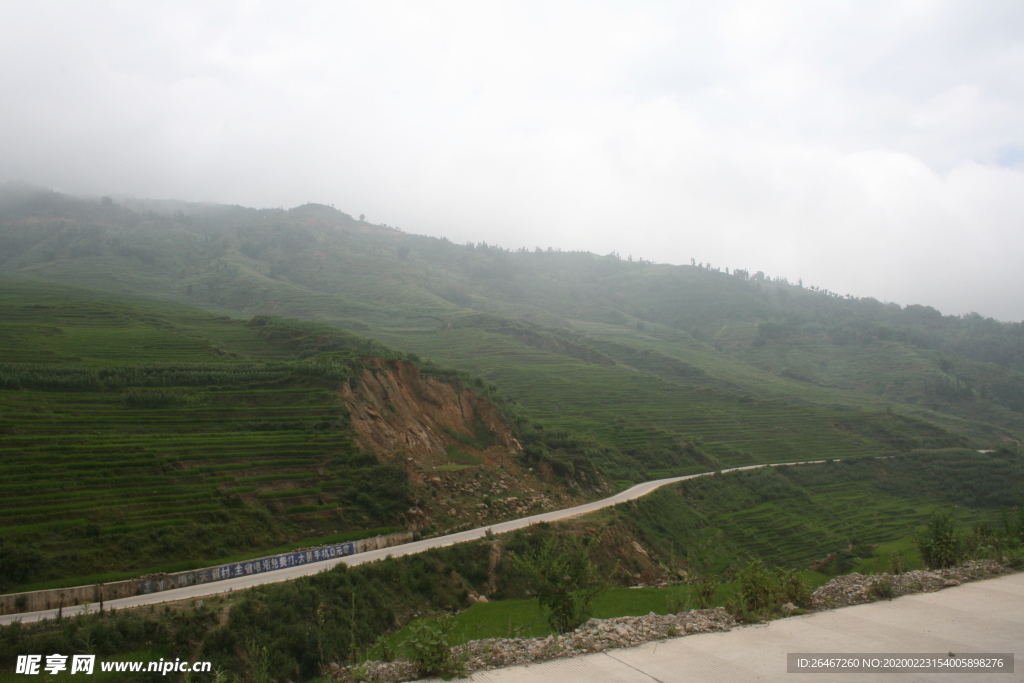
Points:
x=792 y=516
x=135 y=437
x=101 y=474
x=635 y=356
x=631 y=410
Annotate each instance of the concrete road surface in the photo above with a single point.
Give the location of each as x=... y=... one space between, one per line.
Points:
x=980 y=617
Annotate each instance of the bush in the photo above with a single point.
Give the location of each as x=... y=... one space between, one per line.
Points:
x=757 y=589
x=429 y=647
x=794 y=588
x=706 y=590
x=897 y=563
x=761 y=592
x=882 y=590
x=940 y=543
x=564 y=580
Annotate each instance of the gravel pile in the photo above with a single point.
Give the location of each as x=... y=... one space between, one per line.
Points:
x=594 y=636
x=854 y=589
x=603 y=634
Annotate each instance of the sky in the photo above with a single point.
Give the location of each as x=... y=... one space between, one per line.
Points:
x=870 y=148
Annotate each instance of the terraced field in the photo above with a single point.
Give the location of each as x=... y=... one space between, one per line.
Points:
x=141 y=436
x=794 y=516
x=149 y=481
x=631 y=410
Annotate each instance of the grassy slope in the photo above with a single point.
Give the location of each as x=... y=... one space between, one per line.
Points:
x=628 y=409
x=136 y=435
x=634 y=356
x=767 y=340
x=786 y=517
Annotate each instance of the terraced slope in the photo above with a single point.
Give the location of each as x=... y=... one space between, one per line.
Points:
x=736 y=333
x=136 y=437
x=638 y=412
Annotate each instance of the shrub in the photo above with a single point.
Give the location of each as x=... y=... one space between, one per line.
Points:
x=429 y=647
x=706 y=592
x=882 y=590
x=761 y=592
x=1015 y=559
x=897 y=563
x=940 y=542
x=794 y=588
x=564 y=580
x=679 y=601
x=758 y=589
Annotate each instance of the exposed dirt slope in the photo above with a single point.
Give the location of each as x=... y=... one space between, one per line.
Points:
x=460 y=455
x=397 y=412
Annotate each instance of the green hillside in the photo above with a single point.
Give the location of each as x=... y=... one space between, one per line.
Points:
x=627 y=370
x=136 y=435
x=556 y=330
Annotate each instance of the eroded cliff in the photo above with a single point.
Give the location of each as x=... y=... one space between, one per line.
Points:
x=460 y=455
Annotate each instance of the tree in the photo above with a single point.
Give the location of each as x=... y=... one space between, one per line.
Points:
x=940 y=542
x=564 y=580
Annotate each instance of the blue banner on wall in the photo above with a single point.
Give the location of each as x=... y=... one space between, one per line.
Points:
x=256 y=566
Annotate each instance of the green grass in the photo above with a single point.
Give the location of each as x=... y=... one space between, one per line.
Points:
x=459 y=457
x=630 y=410
x=144 y=399
x=785 y=517
x=133 y=437
x=793 y=516
x=525 y=618
x=692 y=326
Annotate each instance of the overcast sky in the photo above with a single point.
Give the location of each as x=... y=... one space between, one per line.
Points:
x=875 y=148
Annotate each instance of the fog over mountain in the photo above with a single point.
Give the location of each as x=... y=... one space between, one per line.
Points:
x=871 y=148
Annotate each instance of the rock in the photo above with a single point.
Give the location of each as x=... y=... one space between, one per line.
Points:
x=789 y=607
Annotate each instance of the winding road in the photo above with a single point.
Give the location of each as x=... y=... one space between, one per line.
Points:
x=242 y=582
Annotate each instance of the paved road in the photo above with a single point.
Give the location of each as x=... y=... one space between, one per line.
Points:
x=205 y=589
x=980 y=617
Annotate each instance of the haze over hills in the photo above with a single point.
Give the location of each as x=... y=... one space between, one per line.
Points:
x=543 y=325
